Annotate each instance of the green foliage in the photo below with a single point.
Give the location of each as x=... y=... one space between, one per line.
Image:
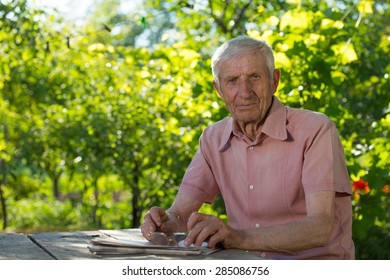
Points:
x=43 y=214
x=99 y=122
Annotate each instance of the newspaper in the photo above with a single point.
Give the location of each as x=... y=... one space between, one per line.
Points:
x=125 y=245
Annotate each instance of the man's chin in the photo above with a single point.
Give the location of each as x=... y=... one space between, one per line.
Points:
x=246 y=118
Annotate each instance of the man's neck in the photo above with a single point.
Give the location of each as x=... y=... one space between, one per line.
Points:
x=250 y=130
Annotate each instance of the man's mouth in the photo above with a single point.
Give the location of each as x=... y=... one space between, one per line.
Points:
x=245 y=106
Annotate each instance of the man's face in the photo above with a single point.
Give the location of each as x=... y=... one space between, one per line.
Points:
x=245 y=85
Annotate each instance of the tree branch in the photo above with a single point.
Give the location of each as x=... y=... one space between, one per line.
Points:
x=218 y=20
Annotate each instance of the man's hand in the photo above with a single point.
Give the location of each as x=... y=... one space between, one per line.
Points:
x=212 y=230
x=157 y=219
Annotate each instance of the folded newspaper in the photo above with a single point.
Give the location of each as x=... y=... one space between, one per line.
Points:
x=125 y=245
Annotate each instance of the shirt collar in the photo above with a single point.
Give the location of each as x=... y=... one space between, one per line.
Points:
x=275 y=125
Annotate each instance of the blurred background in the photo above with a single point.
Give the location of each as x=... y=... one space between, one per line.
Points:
x=102 y=102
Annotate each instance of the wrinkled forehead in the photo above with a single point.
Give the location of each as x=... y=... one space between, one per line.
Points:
x=231 y=53
x=253 y=61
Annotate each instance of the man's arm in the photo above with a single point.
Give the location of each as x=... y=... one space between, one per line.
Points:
x=312 y=231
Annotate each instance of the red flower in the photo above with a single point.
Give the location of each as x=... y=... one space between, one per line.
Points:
x=386 y=189
x=360 y=186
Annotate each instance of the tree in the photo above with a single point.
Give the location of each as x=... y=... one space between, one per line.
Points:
x=110 y=113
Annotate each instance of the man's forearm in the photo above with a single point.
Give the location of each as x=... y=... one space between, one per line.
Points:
x=288 y=238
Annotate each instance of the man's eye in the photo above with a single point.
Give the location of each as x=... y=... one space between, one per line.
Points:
x=255 y=76
x=232 y=80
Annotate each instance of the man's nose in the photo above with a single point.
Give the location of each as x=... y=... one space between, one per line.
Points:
x=245 y=88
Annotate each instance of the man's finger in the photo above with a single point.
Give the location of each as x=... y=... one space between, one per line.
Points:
x=152 y=221
x=215 y=239
x=199 y=228
x=148 y=226
x=157 y=215
x=194 y=219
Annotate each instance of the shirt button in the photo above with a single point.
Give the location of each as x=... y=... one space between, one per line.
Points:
x=257 y=225
x=251 y=187
x=251 y=147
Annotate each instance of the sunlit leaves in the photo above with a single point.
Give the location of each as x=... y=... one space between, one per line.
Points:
x=365 y=6
x=345 y=51
x=297 y=20
x=327 y=23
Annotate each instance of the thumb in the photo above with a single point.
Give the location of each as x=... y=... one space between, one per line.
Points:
x=157 y=215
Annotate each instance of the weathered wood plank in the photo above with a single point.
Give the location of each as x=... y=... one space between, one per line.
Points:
x=17 y=246
x=66 y=245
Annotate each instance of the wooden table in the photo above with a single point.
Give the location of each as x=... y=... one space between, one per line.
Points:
x=74 y=246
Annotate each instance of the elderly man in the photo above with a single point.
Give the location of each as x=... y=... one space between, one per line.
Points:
x=281 y=171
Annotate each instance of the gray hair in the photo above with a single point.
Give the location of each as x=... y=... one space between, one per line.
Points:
x=238 y=46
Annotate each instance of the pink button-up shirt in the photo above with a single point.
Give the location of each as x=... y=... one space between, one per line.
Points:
x=264 y=182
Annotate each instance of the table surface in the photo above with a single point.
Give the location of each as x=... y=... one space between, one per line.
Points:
x=74 y=246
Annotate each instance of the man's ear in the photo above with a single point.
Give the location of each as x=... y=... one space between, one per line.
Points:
x=276 y=78
x=216 y=86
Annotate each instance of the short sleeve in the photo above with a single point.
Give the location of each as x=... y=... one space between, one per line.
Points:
x=324 y=161
x=198 y=180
